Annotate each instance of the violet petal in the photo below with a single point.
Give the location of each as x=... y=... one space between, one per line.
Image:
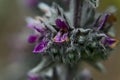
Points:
x=102 y=21
x=40 y=47
x=32 y=38
x=110 y=41
x=61 y=24
x=59 y=38
x=36 y=25
x=64 y=37
x=38 y=29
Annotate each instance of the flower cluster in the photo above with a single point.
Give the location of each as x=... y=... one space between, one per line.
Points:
x=56 y=36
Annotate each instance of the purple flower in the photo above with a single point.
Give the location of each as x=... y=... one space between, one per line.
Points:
x=62 y=35
x=39 y=37
x=36 y=25
x=32 y=38
x=102 y=21
x=59 y=38
x=111 y=42
x=40 y=47
x=61 y=24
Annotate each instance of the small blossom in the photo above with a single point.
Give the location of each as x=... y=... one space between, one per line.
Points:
x=102 y=21
x=62 y=35
x=39 y=36
x=111 y=42
x=105 y=18
x=61 y=24
x=40 y=47
x=36 y=25
x=32 y=38
x=59 y=38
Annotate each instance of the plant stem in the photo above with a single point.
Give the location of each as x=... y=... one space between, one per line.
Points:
x=77 y=12
x=70 y=73
x=55 y=75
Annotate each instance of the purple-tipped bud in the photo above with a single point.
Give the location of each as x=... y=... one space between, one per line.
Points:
x=35 y=24
x=59 y=38
x=102 y=21
x=40 y=47
x=112 y=42
x=32 y=38
x=61 y=24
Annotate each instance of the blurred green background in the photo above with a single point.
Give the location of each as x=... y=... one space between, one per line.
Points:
x=15 y=58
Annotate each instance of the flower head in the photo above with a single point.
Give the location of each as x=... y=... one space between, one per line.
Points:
x=71 y=37
x=62 y=35
x=88 y=41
